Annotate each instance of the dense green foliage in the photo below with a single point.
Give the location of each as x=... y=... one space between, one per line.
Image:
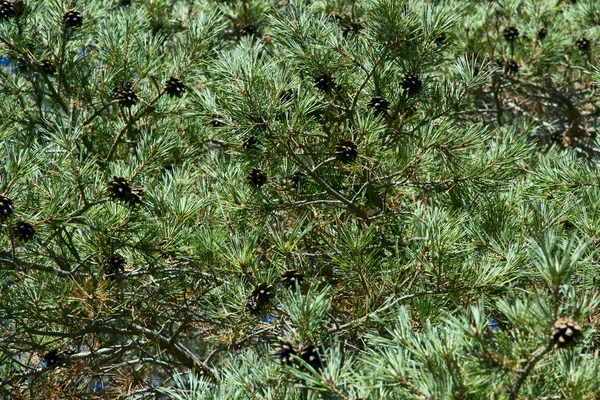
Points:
x=271 y=199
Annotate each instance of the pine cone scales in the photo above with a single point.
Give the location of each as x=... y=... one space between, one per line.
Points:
x=6 y=208
x=114 y=265
x=125 y=96
x=324 y=83
x=412 y=84
x=565 y=331
x=175 y=87
x=346 y=151
x=47 y=67
x=72 y=19
x=119 y=189
x=284 y=353
x=257 y=177
x=583 y=44
x=510 y=33
x=7 y=10
x=24 y=231
x=379 y=104
x=259 y=299
x=291 y=278
x=311 y=355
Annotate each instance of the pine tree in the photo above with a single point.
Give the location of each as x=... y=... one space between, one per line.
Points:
x=273 y=199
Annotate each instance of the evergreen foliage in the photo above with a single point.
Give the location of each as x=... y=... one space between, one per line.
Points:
x=295 y=199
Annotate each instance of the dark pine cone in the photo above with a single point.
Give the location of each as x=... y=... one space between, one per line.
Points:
x=23 y=231
x=511 y=33
x=53 y=359
x=311 y=355
x=175 y=87
x=119 y=189
x=379 y=104
x=298 y=179
x=72 y=19
x=346 y=151
x=246 y=29
x=47 y=67
x=260 y=297
x=251 y=143
x=6 y=209
x=263 y=293
x=257 y=177
x=125 y=96
x=7 y=10
x=565 y=331
x=284 y=353
x=114 y=265
x=412 y=84
x=583 y=44
x=511 y=67
x=542 y=33
x=291 y=277
x=324 y=83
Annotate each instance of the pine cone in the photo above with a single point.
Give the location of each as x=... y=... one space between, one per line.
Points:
x=125 y=96
x=260 y=297
x=114 y=266
x=263 y=293
x=119 y=189
x=175 y=87
x=311 y=355
x=291 y=277
x=7 y=9
x=412 y=84
x=23 y=231
x=324 y=83
x=583 y=44
x=246 y=29
x=6 y=208
x=510 y=33
x=53 y=359
x=72 y=19
x=251 y=143
x=511 y=67
x=137 y=195
x=346 y=151
x=379 y=104
x=542 y=33
x=257 y=177
x=565 y=331
x=47 y=67
x=284 y=353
